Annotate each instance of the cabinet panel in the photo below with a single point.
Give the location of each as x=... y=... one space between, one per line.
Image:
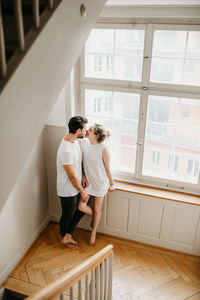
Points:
x=183 y=227
x=150 y=218
x=117 y=211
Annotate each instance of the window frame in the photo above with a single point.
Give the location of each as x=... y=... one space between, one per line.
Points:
x=144 y=88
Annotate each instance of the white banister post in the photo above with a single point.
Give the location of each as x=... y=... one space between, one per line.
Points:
x=102 y=280
x=106 y=279
x=51 y=4
x=20 y=25
x=86 y=287
x=110 y=277
x=71 y=292
x=80 y=290
x=3 y=63
x=92 y=287
x=98 y=283
x=36 y=14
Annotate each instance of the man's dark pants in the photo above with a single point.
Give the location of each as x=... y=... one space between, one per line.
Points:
x=70 y=214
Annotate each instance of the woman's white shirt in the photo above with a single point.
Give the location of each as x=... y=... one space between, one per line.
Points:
x=95 y=170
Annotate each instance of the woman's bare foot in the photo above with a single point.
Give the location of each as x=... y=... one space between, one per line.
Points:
x=92 y=238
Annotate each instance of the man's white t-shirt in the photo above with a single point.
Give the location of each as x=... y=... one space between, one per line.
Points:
x=68 y=153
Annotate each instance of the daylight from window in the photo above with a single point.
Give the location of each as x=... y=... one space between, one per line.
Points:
x=155 y=132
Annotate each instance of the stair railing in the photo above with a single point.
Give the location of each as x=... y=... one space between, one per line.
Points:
x=96 y=271
x=20 y=30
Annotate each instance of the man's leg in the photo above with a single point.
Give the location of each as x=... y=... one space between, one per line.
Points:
x=67 y=204
x=76 y=217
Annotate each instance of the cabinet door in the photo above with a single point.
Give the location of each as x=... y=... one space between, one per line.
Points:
x=117 y=212
x=180 y=225
x=145 y=220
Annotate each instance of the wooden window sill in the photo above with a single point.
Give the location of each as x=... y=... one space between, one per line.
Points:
x=157 y=193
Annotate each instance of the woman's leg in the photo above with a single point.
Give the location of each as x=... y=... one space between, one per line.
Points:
x=84 y=207
x=98 y=201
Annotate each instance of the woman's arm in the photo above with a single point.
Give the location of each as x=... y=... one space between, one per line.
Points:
x=106 y=161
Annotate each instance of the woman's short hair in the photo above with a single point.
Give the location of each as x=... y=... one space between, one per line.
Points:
x=76 y=122
x=101 y=133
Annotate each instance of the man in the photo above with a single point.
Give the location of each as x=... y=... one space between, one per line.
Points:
x=69 y=176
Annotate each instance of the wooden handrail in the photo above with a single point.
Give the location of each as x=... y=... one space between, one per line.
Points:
x=62 y=284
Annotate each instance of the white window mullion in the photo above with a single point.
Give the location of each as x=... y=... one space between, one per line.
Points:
x=141 y=134
x=148 y=44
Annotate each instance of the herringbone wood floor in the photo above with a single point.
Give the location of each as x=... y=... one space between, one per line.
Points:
x=140 y=271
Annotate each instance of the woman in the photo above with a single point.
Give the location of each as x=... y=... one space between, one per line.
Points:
x=96 y=164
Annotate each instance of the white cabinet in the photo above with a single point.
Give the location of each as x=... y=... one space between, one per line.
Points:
x=150 y=220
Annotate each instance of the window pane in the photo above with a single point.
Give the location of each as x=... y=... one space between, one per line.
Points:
x=114 y=54
x=120 y=116
x=173 y=131
x=176 y=57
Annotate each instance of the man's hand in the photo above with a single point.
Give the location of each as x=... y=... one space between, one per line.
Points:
x=111 y=188
x=84 y=196
x=84 y=181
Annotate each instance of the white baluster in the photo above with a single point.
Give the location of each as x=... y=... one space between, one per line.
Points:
x=98 y=282
x=92 y=287
x=110 y=258
x=51 y=4
x=2 y=49
x=36 y=14
x=86 y=287
x=102 y=280
x=20 y=26
x=80 y=290
x=106 y=278
x=71 y=293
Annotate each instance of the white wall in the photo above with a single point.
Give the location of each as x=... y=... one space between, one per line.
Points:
x=25 y=104
x=29 y=95
x=26 y=211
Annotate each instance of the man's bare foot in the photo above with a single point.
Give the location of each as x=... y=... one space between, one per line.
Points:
x=68 y=239
x=69 y=245
x=92 y=238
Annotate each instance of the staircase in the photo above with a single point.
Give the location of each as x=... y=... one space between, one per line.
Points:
x=21 y=22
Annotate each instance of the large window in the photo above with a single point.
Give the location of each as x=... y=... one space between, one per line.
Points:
x=143 y=84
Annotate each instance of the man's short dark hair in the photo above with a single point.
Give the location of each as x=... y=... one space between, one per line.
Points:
x=76 y=122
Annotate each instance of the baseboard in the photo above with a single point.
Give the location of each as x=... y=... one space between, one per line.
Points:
x=15 y=261
x=83 y=224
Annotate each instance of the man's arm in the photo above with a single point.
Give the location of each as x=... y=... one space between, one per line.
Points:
x=81 y=143
x=75 y=181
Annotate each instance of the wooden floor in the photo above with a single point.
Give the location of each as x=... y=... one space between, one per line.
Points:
x=140 y=271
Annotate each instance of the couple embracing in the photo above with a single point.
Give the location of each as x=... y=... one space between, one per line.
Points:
x=83 y=170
